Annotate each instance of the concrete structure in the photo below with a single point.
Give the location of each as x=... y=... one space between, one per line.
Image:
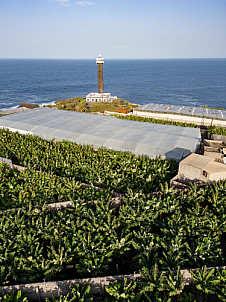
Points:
x=106 y=131
x=53 y=290
x=213 y=143
x=100 y=96
x=100 y=63
x=217 y=156
x=220 y=138
x=215 y=148
x=6 y=161
x=197 y=167
x=184 y=114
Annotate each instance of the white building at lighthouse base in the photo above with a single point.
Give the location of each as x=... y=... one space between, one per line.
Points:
x=100 y=97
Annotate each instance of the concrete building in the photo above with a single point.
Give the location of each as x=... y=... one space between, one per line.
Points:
x=215 y=148
x=100 y=96
x=217 y=156
x=199 y=168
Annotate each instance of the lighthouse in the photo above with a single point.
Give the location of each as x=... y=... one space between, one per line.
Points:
x=100 y=63
x=100 y=96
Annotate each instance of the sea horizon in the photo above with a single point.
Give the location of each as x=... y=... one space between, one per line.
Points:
x=196 y=58
x=178 y=81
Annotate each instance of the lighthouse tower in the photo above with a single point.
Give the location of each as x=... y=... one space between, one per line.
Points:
x=100 y=63
x=100 y=96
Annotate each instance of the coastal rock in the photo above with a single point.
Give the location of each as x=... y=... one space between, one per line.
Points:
x=29 y=106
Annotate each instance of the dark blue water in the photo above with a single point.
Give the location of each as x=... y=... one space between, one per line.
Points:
x=189 y=82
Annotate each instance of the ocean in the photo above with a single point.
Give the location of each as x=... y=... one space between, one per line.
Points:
x=188 y=82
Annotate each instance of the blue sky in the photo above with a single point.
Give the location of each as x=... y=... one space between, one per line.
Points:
x=114 y=28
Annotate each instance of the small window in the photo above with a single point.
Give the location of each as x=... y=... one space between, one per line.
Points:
x=204 y=173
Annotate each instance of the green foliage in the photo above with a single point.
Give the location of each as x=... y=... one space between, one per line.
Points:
x=14 y=297
x=162 y=231
x=153 y=120
x=210 y=282
x=80 y=105
x=162 y=286
x=72 y=104
x=174 y=283
x=125 y=291
x=152 y=284
x=217 y=130
x=114 y=106
x=187 y=298
x=104 y=168
x=93 y=240
x=30 y=188
x=204 y=281
x=78 y=294
x=155 y=286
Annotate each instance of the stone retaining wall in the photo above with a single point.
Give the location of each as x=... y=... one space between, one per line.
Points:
x=40 y=291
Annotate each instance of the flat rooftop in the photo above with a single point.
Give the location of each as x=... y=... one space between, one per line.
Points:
x=184 y=110
x=106 y=131
x=203 y=162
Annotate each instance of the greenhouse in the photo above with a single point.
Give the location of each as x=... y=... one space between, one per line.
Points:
x=106 y=131
x=184 y=110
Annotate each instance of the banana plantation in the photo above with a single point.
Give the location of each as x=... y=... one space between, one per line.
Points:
x=154 y=234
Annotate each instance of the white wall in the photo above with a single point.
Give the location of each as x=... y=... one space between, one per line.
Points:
x=180 y=118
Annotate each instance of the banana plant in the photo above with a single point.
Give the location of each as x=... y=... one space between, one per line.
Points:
x=174 y=283
x=152 y=284
x=14 y=297
x=125 y=291
x=209 y=283
x=78 y=294
x=105 y=168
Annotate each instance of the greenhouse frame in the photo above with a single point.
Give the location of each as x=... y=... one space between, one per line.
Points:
x=106 y=131
x=202 y=112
